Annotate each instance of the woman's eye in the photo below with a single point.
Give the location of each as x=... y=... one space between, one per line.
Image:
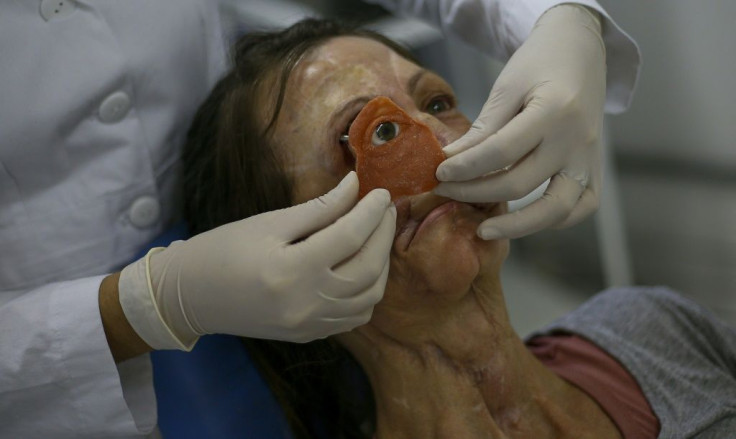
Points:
x=384 y=132
x=438 y=106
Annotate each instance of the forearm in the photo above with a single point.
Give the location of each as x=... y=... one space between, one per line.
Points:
x=124 y=342
x=55 y=360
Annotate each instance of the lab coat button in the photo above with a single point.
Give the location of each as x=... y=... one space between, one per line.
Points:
x=144 y=212
x=114 y=107
x=51 y=9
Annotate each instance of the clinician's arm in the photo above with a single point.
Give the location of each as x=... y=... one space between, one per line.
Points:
x=543 y=117
x=57 y=377
x=122 y=339
x=69 y=179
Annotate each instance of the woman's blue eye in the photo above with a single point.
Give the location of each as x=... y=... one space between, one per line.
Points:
x=384 y=132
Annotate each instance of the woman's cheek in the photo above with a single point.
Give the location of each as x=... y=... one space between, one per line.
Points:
x=495 y=253
x=458 y=124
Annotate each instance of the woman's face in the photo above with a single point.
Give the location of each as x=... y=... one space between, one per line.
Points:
x=437 y=256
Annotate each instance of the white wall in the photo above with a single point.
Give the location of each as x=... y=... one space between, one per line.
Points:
x=685 y=105
x=676 y=151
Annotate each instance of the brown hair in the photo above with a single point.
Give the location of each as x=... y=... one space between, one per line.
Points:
x=231 y=173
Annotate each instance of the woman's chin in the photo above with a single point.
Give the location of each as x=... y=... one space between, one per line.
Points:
x=435 y=268
x=439 y=266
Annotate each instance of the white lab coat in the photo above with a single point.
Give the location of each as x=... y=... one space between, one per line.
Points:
x=499 y=27
x=95 y=100
x=94 y=105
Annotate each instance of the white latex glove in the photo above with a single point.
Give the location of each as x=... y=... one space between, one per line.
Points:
x=295 y=274
x=542 y=120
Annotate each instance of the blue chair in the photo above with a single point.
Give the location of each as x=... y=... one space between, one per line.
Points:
x=214 y=391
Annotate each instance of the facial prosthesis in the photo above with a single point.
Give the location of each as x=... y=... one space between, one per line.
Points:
x=393 y=151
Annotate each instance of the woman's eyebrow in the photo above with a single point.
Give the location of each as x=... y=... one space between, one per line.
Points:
x=411 y=84
x=346 y=107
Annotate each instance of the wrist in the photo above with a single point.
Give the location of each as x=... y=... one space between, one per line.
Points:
x=574 y=25
x=147 y=306
x=122 y=339
x=566 y=12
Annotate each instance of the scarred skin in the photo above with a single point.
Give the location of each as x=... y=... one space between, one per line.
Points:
x=406 y=164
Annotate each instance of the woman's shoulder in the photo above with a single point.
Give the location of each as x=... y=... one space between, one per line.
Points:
x=654 y=322
x=680 y=353
x=647 y=312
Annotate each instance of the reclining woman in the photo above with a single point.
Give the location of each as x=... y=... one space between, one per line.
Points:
x=440 y=355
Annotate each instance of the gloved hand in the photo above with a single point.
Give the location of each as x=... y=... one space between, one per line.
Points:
x=295 y=274
x=543 y=119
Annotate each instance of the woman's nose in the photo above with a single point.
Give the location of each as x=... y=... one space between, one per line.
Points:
x=439 y=129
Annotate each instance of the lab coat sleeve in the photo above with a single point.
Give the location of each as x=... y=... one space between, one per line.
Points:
x=499 y=27
x=57 y=375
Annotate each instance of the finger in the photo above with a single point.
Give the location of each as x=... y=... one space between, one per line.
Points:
x=357 y=306
x=327 y=326
x=518 y=182
x=529 y=198
x=349 y=323
x=554 y=207
x=589 y=200
x=304 y=219
x=341 y=240
x=502 y=105
x=587 y=205
x=512 y=142
x=322 y=328
x=360 y=271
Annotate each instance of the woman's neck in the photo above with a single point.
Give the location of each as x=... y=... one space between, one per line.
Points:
x=466 y=374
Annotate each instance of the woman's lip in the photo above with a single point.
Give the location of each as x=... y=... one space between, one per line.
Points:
x=408 y=228
x=404 y=224
x=434 y=215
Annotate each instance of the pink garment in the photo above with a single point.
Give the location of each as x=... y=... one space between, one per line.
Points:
x=602 y=377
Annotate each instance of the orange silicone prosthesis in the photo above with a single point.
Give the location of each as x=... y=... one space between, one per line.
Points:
x=393 y=151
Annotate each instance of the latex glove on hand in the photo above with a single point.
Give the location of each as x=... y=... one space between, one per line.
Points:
x=543 y=120
x=295 y=274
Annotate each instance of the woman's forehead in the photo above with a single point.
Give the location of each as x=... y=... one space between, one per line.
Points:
x=354 y=48
x=351 y=60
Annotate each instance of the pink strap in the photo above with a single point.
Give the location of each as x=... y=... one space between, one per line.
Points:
x=601 y=376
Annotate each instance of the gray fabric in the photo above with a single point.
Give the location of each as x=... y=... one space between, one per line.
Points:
x=681 y=355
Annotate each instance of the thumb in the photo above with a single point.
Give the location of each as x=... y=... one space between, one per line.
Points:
x=504 y=102
x=304 y=219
